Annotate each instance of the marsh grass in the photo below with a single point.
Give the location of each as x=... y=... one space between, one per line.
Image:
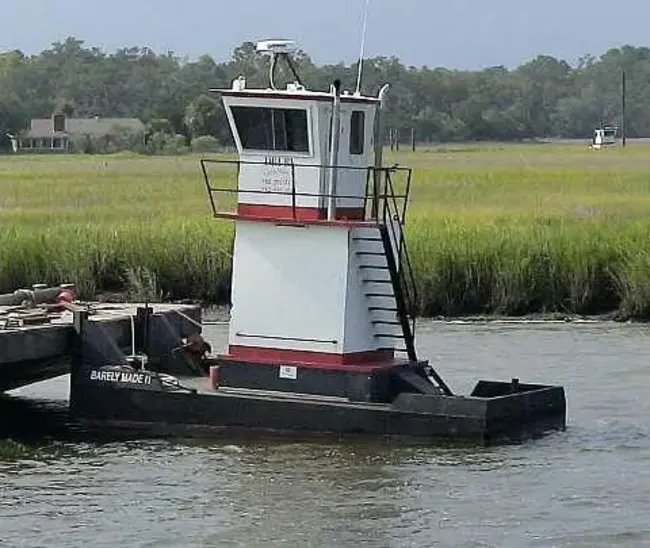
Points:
x=111 y=224
x=532 y=228
x=492 y=229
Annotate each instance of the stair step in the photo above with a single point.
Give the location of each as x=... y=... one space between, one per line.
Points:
x=385 y=322
x=391 y=348
x=377 y=282
x=373 y=267
x=360 y=239
x=382 y=308
x=389 y=336
x=374 y=253
x=394 y=349
x=379 y=295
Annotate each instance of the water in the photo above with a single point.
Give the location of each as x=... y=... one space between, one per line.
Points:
x=586 y=487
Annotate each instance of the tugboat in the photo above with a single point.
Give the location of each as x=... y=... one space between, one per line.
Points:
x=322 y=327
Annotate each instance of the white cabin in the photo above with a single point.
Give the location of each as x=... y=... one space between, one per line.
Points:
x=312 y=280
x=283 y=142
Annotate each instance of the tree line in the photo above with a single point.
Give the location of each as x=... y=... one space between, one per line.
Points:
x=545 y=97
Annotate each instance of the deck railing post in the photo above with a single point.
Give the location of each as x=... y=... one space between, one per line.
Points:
x=334 y=149
x=293 y=189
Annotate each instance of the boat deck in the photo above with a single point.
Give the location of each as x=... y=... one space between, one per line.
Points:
x=202 y=387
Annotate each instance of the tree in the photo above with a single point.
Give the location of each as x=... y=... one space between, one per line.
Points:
x=13 y=117
x=543 y=97
x=204 y=116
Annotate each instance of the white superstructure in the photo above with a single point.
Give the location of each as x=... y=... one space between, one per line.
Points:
x=312 y=279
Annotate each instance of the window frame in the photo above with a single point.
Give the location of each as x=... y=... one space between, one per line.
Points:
x=359 y=137
x=59 y=123
x=232 y=108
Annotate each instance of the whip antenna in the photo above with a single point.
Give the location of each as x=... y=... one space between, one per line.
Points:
x=363 y=46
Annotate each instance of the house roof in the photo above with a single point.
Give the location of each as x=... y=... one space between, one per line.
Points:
x=44 y=127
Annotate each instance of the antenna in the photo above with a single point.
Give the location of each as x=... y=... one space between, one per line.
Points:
x=276 y=49
x=363 y=46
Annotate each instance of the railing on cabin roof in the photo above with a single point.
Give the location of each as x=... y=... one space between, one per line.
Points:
x=379 y=188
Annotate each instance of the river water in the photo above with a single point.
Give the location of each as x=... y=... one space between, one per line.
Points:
x=586 y=487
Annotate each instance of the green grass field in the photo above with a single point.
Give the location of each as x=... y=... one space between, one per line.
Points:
x=492 y=229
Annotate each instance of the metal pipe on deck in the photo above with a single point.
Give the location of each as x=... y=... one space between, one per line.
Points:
x=37 y=295
x=16 y=298
x=335 y=139
x=379 y=144
x=379 y=151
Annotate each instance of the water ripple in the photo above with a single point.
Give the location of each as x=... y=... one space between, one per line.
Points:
x=587 y=486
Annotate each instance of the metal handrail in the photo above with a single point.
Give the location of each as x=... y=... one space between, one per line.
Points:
x=383 y=199
x=384 y=207
x=390 y=211
x=403 y=250
x=372 y=194
x=405 y=273
x=290 y=161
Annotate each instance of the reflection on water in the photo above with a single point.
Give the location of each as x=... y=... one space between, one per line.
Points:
x=588 y=486
x=30 y=421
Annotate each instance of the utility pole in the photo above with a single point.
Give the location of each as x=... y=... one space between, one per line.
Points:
x=624 y=120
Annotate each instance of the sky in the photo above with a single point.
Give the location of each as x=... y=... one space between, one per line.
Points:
x=462 y=34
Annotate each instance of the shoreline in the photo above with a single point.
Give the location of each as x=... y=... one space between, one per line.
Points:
x=221 y=315
x=215 y=314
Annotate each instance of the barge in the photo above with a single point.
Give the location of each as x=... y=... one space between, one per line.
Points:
x=322 y=327
x=37 y=332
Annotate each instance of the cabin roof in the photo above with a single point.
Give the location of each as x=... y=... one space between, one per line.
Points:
x=301 y=95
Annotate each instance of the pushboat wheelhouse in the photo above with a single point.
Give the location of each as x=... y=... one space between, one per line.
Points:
x=321 y=335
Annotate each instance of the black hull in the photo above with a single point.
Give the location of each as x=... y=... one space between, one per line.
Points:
x=173 y=413
x=172 y=393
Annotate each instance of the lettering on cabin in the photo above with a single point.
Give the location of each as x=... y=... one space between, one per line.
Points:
x=277 y=175
x=277 y=161
x=120 y=377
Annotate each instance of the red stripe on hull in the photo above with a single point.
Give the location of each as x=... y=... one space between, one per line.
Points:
x=299 y=213
x=356 y=361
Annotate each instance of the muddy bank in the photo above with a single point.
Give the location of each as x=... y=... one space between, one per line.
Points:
x=220 y=313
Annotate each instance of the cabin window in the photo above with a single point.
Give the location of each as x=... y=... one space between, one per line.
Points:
x=357 y=132
x=283 y=129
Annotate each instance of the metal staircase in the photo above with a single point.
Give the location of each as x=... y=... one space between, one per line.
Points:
x=388 y=274
x=386 y=266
